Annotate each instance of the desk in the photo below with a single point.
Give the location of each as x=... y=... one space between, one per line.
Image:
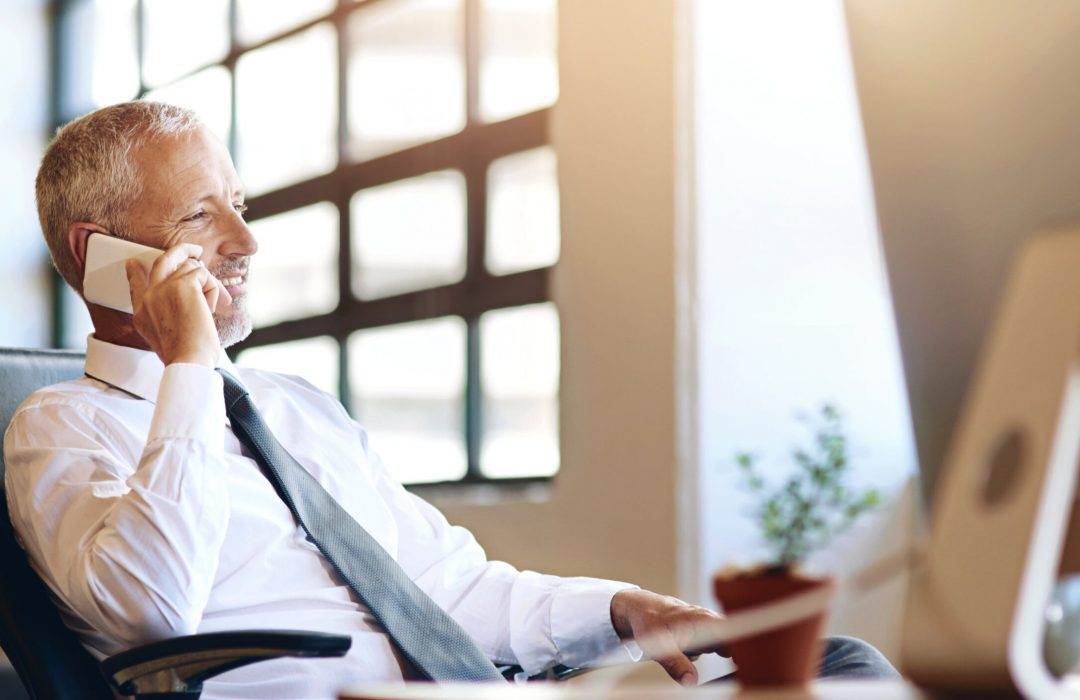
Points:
x=830 y=690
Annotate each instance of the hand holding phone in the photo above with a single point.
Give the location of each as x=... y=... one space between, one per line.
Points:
x=175 y=293
x=105 y=279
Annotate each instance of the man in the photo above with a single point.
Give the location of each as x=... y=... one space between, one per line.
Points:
x=149 y=513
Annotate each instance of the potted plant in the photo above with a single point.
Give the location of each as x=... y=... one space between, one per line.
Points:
x=795 y=517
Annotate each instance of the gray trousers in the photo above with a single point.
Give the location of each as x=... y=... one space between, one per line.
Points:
x=846 y=657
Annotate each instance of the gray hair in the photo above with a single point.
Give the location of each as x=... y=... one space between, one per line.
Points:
x=88 y=173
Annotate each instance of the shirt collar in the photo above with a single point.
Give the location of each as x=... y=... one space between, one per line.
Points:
x=137 y=372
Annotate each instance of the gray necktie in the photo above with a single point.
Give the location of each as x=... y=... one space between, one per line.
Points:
x=435 y=644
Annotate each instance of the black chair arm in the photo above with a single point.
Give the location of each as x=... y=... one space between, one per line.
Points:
x=556 y=673
x=177 y=667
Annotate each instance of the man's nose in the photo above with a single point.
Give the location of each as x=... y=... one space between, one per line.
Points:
x=238 y=238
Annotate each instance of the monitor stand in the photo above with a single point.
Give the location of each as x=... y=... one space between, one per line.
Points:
x=998 y=528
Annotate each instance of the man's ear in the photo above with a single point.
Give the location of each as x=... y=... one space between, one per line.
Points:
x=77 y=234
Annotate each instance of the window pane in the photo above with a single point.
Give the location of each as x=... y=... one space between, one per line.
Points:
x=523 y=212
x=518 y=61
x=181 y=36
x=100 y=63
x=206 y=92
x=314 y=359
x=116 y=68
x=406 y=74
x=261 y=19
x=407 y=384
x=409 y=235
x=294 y=273
x=286 y=108
x=519 y=369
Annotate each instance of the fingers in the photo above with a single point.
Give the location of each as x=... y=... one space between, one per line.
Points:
x=665 y=647
x=220 y=292
x=680 y=668
x=705 y=630
x=184 y=258
x=137 y=281
x=211 y=287
x=168 y=262
x=666 y=629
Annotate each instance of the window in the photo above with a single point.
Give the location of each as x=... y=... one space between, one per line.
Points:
x=403 y=192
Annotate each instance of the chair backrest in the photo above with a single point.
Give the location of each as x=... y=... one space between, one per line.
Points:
x=47 y=656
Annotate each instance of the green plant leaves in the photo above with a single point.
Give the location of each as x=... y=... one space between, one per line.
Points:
x=813 y=505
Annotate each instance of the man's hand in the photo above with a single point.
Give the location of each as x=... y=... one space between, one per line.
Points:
x=665 y=628
x=174 y=303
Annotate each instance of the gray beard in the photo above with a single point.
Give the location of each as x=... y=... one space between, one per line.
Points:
x=236 y=326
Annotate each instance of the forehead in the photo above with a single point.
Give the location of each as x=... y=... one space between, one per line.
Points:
x=185 y=164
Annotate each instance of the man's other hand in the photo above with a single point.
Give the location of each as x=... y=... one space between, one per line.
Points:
x=174 y=303
x=666 y=629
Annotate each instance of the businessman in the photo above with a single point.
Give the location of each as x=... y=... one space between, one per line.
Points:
x=169 y=492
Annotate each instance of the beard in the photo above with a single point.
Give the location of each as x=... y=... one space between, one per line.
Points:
x=233 y=322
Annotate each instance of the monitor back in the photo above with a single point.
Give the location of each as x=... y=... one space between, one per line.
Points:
x=971 y=110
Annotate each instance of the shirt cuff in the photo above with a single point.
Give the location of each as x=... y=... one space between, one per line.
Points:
x=581 y=627
x=190 y=404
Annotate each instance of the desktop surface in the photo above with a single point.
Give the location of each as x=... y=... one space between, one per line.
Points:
x=824 y=690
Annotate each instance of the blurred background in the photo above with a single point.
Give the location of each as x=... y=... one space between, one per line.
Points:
x=562 y=258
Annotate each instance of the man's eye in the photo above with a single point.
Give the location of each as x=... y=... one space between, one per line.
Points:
x=196 y=216
x=241 y=208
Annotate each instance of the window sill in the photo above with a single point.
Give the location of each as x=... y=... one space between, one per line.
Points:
x=485 y=494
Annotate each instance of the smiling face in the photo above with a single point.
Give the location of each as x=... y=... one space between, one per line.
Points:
x=192 y=194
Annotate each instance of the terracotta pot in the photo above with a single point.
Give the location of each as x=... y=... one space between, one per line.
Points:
x=784 y=656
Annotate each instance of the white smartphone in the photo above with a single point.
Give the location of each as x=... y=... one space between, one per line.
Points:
x=105 y=279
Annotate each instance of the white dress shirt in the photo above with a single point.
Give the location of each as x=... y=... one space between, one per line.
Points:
x=145 y=517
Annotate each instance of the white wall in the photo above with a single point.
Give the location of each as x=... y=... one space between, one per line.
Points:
x=24 y=299
x=793 y=304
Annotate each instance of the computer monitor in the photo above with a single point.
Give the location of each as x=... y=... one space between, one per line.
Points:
x=971 y=110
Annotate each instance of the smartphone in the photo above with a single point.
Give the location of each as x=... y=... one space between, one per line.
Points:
x=105 y=279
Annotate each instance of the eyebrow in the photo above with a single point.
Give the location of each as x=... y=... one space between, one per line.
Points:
x=182 y=210
x=237 y=193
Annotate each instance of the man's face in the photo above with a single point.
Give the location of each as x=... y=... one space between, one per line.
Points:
x=192 y=194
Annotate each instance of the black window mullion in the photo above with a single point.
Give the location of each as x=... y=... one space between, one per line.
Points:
x=230 y=63
x=340 y=20
x=58 y=90
x=474 y=409
x=477 y=144
x=472 y=61
x=344 y=388
x=343 y=198
x=464 y=299
x=140 y=43
x=345 y=296
x=476 y=220
x=476 y=223
x=234 y=26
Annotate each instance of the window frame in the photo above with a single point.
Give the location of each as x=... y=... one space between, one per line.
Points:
x=469 y=151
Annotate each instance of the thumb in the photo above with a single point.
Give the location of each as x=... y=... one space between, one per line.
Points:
x=137 y=281
x=680 y=668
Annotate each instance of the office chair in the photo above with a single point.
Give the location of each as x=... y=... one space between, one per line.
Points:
x=47 y=656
